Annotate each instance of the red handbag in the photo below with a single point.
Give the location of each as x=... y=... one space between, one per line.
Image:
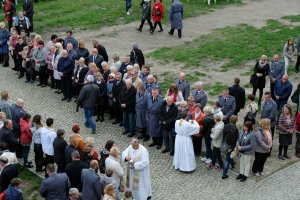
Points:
x=2 y=196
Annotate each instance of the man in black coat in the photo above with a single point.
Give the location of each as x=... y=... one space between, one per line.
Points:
x=168 y=116
x=239 y=94
x=124 y=64
x=74 y=170
x=59 y=146
x=137 y=56
x=116 y=91
x=9 y=171
x=28 y=12
x=87 y=99
x=79 y=75
x=101 y=49
x=17 y=112
x=127 y=102
x=8 y=137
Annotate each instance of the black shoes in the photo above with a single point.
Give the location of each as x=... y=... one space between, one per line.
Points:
x=138 y=29
x=93 y=131
x=28 y=165
x=146 y=139
x=165 y=150
x=131 y=135
x=225 y=177
x=152 y=145
x=158 y=147
x=63 y=99
x=280 y=157
x=161 y=30
x=115 y=122
x=243 y=179
x=239 y=176
x=125 y=132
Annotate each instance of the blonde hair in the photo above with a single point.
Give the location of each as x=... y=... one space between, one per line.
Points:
x=114 y=151
x=37 y=38
x=207 y=110
x=109 y=189
x=265 y=123
x=81 y=44
x=59 y=46
x=89 y=141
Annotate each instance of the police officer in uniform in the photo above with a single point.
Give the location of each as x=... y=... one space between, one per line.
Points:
x=183 y=85
x=228 y=105
x=199 y=94
x=150 y=84
x=276 y=72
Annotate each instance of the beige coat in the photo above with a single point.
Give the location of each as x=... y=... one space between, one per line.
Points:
x=111 y=162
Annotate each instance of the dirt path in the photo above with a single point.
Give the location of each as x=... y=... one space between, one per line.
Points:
x=255 y=13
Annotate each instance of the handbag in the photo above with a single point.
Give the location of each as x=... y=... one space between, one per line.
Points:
x=295 y=97
x=253 y=78
x=224 y=147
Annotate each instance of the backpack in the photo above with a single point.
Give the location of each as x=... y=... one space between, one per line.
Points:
x=250 y=116
x=102 y=161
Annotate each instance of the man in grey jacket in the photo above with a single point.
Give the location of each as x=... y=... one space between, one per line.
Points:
x=199 y=94
x=183 y=85
x=276 y=72
x=56 y=186
x=91 y=182
x=228 y=105
x=4 y=105
x=268 y=110
x=88 y=99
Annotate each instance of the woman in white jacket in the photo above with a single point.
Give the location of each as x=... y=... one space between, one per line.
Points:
x=217 y=138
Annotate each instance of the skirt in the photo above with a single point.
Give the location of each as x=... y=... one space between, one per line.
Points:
x=285 y=139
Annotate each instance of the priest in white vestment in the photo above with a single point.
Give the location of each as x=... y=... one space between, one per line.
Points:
x=138 y=172
x=184 y=157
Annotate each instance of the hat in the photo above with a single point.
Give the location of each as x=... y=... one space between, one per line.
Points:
x=112 y=74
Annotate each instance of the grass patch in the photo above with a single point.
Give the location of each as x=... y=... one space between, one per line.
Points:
x=216 y=89
x=92 y=14
x=31 y=183
x=292 y=18
x=235 y=44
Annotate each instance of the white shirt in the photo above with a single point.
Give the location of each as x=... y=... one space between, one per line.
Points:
x=47 y=137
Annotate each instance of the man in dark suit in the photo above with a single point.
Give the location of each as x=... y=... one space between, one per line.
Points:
x=59 y=146
x=91 y=189
x=56 y=186
x=116 y=91
x=96 y=58
x=124 y=64
x=28 y=12
x=239 y=94
x=9 y=171
x=127 y=102
x=7 y=136
x=75 y=168
x=101 y=49
x=79 y=75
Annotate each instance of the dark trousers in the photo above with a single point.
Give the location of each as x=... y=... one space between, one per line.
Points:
x=5 y=59
x=61 y=167
x=216 y=156
x=259 y=162
x=149 y=22
x=285 y=148
x=228 y=161
x=197 y=143
x=129 y=121
x=179 y=32
x=100 y=111
x=66 y=86
x=261 y=90
x=30 y=74
x=155 y=24
x=38 y=156
x=168 y=141
x=31 y=22
x=43 y=75
x=18 y=64
x=50 y=75
x=128 y=5
x=297 y=147
x=272 y=86
x=14 y=56
x=297 y=63
x=26 y=149
x=207 y=141
x=48 y=160
x=118 y=114
x=58 y=84
x=157 y=140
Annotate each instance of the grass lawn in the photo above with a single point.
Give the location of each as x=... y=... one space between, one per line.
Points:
x=231 y=46
x=92 y=14
x=31 y=183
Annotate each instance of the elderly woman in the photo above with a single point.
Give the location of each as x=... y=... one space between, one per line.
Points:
x=13 y=39
x=39 y=55
x=263 y=145
x=112 y=163
x=287 y=127
x=116 y=60
x=105 y=70
x=4 y=37
x=113 y=69
x=250 y=109
x=28 y=63
x=175 y=93
x=81 y=51
x=198 y=115
x=89 y=142
x=93 y=69
x=56 y=57
x=48 y=60
x=261 y=70
x=245 y=145
x=127 y=75
x=208 y=123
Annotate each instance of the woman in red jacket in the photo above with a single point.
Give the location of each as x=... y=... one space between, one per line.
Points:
x=157 y=14
x=26 y=138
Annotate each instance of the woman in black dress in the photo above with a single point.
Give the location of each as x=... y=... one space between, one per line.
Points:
x=261 y=70
x=102 y=97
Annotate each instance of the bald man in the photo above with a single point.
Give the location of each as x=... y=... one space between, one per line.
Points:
x=17 y=112
x=168 y=116
x=65 y=68
x=183 y=85
x=282 y=92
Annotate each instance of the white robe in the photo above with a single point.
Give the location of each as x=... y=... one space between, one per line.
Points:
x=140 y=166
x=184 y=157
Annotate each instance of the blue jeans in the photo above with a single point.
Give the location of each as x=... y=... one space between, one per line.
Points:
x=227 y=163
x=208 y=147
x=89 y=122
x=26 y=149
x=216 y=156
x=128 y=5
x=129 y=121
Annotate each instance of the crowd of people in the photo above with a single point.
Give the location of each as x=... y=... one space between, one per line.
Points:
x=130 y=94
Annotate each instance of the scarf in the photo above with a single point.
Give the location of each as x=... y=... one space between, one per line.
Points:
x=173 y=94
x=262 y=64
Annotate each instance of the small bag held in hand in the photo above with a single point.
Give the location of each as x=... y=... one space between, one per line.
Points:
x=157 y=13
x=253 y=79
x=224 y=147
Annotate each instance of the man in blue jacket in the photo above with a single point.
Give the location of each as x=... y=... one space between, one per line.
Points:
x=65 y=68
x=282 y=92
x=276 y=72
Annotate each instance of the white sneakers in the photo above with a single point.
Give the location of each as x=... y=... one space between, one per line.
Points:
x=127 y=13
x=208 y=161
x=204 y=159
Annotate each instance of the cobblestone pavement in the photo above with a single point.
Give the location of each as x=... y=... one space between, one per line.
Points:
x=167 y=183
